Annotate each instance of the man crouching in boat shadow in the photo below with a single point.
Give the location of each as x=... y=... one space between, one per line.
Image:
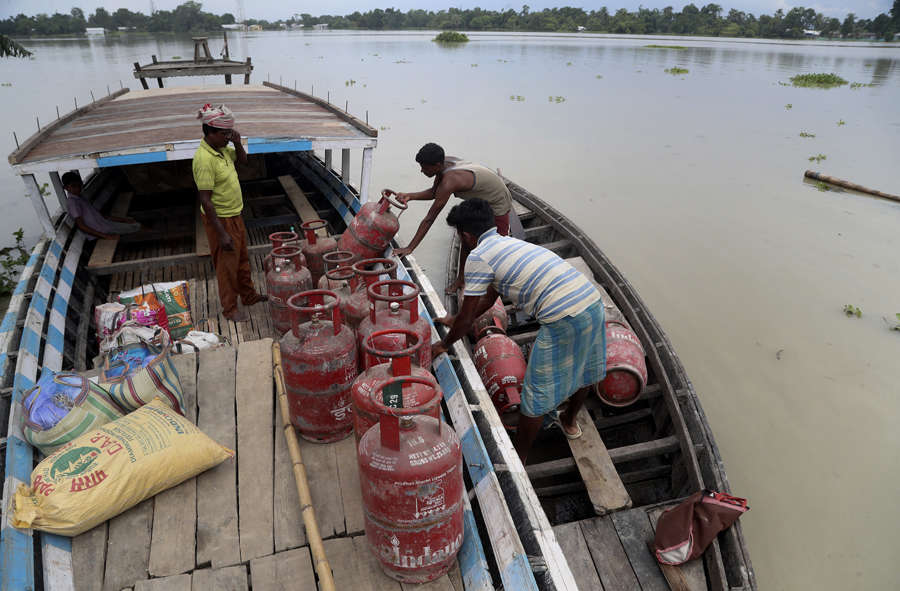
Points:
x=221 y=204
x=569 y=353
x=465 y=180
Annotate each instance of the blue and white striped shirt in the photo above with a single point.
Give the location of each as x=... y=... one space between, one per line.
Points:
x=534 y=278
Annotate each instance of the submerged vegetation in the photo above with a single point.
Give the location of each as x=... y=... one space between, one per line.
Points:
x=789 y=106
x=675 y=70
x=805 y=134
x=841 y=122
x=451 y=37
x=517 y=97
x=818 y=158
x=11 y=260
x=823 y=186
x=851 y=310
x=817 y=80
x=857 y=85
x=556 y=99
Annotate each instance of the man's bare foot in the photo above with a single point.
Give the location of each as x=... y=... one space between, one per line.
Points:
x=237 y=316
x=454 y=287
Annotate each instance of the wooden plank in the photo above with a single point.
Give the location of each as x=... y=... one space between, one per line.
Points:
x=42 y=134
x=351 y=494
x=173 y=546
x=128 y=549
x=608 y=554
x=289 y=529
x=255 y=400
x=689 y=576
x=635 y=533
x=360 y=125
x=232 y=578
x=575 y=548
x=105 y=249
x=285 y=571
x=324 y=486
x=355 y=567
x=89 y=558
x=176 y=583
x=440 y=584
x=217 y=518
x=306 y=211
x=605 y=489
x=618 y=455
x=201 y=240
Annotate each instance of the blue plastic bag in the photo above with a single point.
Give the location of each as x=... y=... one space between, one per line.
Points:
x=53 y=398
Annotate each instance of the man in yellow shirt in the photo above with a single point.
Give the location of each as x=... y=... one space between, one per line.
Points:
x=221 y=205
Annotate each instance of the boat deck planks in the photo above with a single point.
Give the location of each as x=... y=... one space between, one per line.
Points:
x=88 y=558
x=351 y=493
x=286 y=571
x=174 y=583
x=635 y=532
x=300 y=202
x=173 y=544
x=574 y=546
x=128 y=547
x=289 y=530
x=609 y=556
x=232 y=578
x=604 y=487
x=324 y=487
x=255 y=440
x=105 y=250
x=217 y=518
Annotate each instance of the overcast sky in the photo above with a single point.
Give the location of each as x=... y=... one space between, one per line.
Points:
x=278 y=9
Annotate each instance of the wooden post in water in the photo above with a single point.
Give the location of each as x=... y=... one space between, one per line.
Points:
x=247 y=75
x=137 y=68
x=848 y=185
x=320 y=561
x=158 y=80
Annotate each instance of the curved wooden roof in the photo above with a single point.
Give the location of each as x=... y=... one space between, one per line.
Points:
x=161 y=124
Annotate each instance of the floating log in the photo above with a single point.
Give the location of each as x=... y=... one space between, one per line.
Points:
x=848 y=185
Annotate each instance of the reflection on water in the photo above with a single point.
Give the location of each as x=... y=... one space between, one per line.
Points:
x=693 y=185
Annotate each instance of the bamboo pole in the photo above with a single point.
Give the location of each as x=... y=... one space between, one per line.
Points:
x=848 y=185
x=323 y=569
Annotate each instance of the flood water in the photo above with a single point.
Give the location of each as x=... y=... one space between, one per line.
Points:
x=693 y=185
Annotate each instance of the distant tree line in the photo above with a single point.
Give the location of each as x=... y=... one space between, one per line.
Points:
x=709 y=20
x=185 y=18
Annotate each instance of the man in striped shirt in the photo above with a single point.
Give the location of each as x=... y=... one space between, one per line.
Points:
x=569 y=352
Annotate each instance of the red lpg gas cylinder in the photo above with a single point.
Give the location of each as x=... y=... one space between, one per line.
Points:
x=286 y=278
x=410 y=472
x=334 y=260
x=427 y=398
x=369 y=271
x=402 y=297
x=501 y=365
x=497 y=311
x=370 y=232
x=315 y=247
x=279 y=239
x=626 y=368
x=319 y=367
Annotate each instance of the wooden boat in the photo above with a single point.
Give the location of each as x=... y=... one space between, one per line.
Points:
x=241 y=521
x=659 y=450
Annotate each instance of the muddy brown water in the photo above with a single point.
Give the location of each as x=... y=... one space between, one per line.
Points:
x=693 y=185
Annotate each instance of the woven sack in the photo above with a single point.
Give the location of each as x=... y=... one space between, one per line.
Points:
x=62 y=407
x=137 y=373
x=110 y=469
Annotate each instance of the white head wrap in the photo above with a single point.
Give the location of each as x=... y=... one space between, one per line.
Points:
x=219 y=116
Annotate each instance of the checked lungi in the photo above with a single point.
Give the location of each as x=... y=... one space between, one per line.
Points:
x=568 y=354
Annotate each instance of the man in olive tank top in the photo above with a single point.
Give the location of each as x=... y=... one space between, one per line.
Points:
x=465 y=180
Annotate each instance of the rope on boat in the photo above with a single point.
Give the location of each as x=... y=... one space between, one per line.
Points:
x=323 y=569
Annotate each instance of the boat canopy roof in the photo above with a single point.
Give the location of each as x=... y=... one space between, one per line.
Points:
x=161 y=124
